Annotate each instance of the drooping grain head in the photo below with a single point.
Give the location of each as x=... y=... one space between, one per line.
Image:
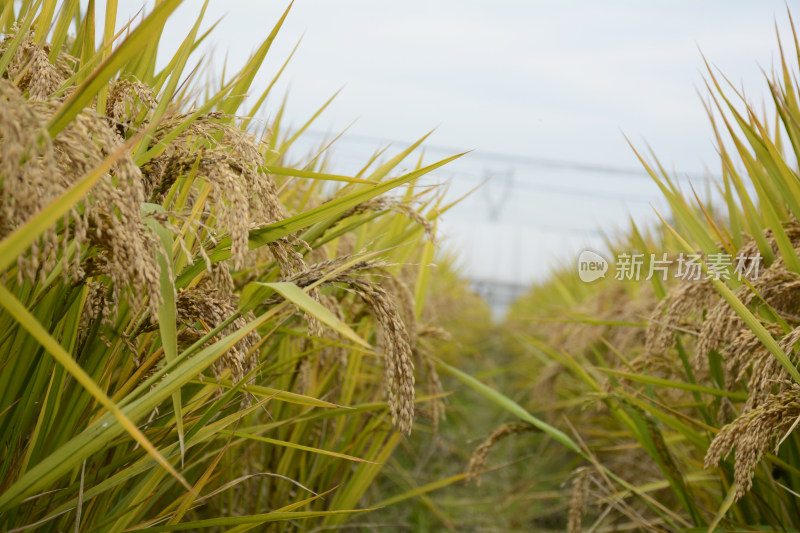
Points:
x=204 y=308
x=393 y=342
x=30 y=68
x=477 y=463
x=127 y=98
x=581 y=479
x=754 y=433
x=39 y=170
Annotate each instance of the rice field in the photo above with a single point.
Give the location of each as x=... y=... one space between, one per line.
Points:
x=201 y=330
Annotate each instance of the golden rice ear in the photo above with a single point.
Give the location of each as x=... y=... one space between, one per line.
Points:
x=393 y=204
x=242 y=194
x=404 y=298
x=754 y=433
x=683 y=305
x=579 y=497
x=205 y=306
x=111 y=218
x=746 y=355
x=393 y=338
x=776 y=285
x=27 y=166
x=435 y=388
x=477 y=463
x=31 y=70
x=127 y=98
x=721 y=325
x=393 y=342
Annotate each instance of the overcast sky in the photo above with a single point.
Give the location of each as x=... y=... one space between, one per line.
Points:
x=532 y=80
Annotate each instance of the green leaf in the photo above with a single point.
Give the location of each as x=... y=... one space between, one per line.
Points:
x=666 y=383
x=294 y=445
x=423 y=278
x=32 y=325
x=277 y=394
x=297 y=296
x=723 y=508
x=424 y=489
x=254 y=519
x=280 y=171
x=509 y=405
x=167 y=312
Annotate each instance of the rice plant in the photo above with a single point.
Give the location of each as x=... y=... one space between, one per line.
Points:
x=199 y=330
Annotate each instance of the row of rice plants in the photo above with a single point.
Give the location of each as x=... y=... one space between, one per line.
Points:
x=197 y=329
x=677 y=398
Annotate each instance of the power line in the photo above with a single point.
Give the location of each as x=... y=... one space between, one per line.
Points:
x=542 y=187
x=567 y=191
x=509 y=184
x=520 y=159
